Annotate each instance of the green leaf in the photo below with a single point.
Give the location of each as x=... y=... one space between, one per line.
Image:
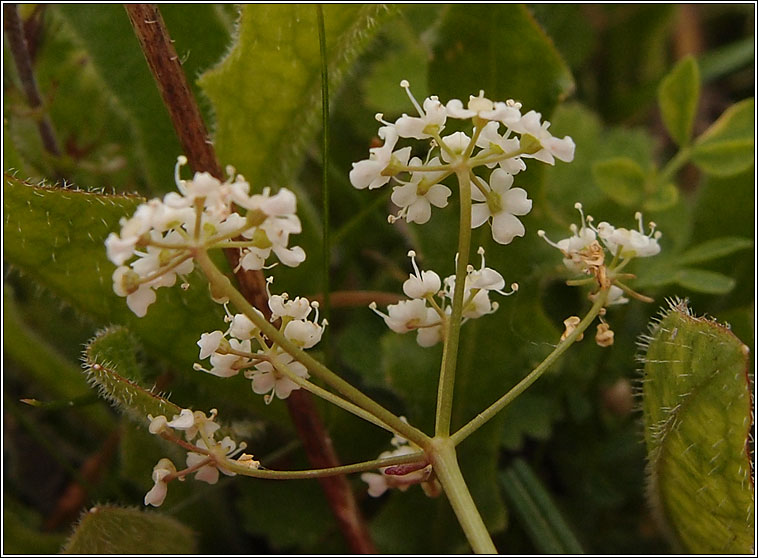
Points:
x=727 y=146
x=114 y=530
x=704 y=281
x=109 y=364
x=665 y=196
x=495 y=48
x=678 y=97
x=537 y=511
x=712 y=249
x=61 y=378
x=56 y=237
x=697 y=413
x=267 y=91
x=104 y=31
x=621 y=178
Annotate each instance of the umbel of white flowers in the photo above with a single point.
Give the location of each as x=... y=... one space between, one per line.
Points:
x=163 y=235
x=502 y=139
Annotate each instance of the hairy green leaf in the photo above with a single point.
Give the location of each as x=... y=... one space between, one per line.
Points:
x=728 y=146
x=266 y=93
x=678 y=96
x=704 y=281
x=115 y=530
x=110 y=364
x=697 y=409
x=56 y=237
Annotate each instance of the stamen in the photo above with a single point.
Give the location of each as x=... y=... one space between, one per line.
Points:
x=544 y=237
x=638 y=216
x=652 y=228
x=269 y=282
x=580 y=209
x=412 y=256
x=181 y=160
x=407 y=86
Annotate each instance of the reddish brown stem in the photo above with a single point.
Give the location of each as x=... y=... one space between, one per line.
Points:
x=14 y=31
x=193 y=136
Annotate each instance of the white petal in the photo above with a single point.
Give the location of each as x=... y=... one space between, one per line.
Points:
x=419 y=211
x=479 y=214
x=516 y=202
x=438 y=194
x=505 y=227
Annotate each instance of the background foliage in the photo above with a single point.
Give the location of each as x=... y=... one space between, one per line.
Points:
x=601 y=74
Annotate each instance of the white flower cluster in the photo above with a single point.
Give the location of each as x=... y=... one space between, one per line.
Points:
x=584 y=253
x=399 y=476
x=430 y=301
x=502 y=137
x=164 y=235
x=232 y=351
x=194 y=424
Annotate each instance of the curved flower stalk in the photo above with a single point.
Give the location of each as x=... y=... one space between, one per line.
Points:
x=164 y=235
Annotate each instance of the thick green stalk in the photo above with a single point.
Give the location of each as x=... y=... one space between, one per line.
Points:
x=452 y=336
x=445 y=463
x=222 y=286
x=519 y=388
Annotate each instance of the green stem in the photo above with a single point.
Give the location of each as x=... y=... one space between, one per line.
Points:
x=445 y=463
x=221 y=285
x=328 y=396
x=676 y=163
x=452 y=337
x=235 y=466
x=519 y=388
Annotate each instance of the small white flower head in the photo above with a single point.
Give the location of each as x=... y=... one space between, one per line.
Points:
x=630 y=243
x=430 y=122
x=421 y=283
x=417 y=196
x=548 y=148
x=209 y=343
x=281 y=306
x=615 y=296
x=405 y=316
x=455 y=144
x=376 y=171
x=303 y=333
x=268 y=381
x=492 y=143
x=574 y=248
x=157 y=494
x=242 y=327
x=480 y=107
x=500 y=205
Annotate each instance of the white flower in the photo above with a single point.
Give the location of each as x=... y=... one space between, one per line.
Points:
x=281 y=306
x=268 y=380
x=303 y=333
x=431 y=119
x=630 y=243
x=456 y=143
x=422 y=283
x=406 y=315
x=369 y=173
x=574 y=248
x=501 y=205
x=492 y=143
x=157 y=494
x=552 y=148
x=481 y=107
x=228 y=365
x=378 y=484
x=416 y=197
x=209 y=343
